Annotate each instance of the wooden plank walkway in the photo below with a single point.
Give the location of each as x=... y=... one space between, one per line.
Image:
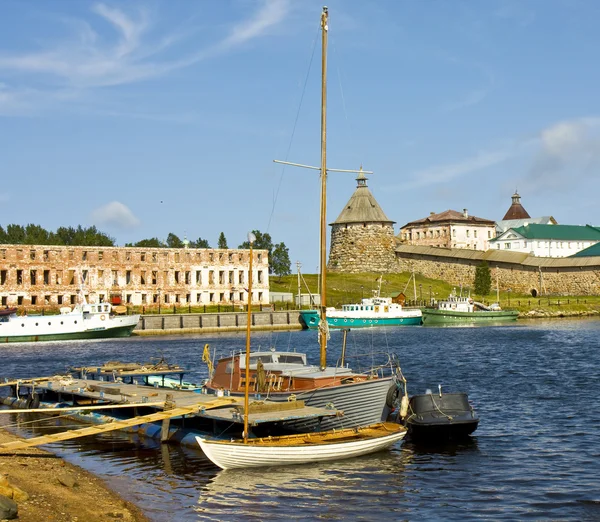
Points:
x=83 y=408
x=113 y=426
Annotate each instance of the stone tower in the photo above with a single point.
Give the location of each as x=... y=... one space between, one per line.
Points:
x=362 y=237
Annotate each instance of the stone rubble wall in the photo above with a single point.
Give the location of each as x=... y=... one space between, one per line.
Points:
x=359 y=247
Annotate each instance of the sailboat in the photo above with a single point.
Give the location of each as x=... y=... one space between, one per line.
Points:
x=299 y=448
x=365 y=398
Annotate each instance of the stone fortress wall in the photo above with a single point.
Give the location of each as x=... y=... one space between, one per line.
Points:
x=521 y=273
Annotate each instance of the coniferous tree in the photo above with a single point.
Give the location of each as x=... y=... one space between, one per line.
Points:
x=222 y=243
x=483 y=279
x=173 y=241
x=199 y=243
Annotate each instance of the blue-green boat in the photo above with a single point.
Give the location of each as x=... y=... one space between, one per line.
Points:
x=375 y=311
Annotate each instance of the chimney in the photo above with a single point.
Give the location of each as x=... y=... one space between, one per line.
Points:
x=465 y=213
x=432 y=213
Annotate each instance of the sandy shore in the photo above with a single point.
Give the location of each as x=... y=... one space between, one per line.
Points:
x=42 y=476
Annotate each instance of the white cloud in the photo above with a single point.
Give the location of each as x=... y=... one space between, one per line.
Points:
x=567 y=148
x=88 y=59
x=443 y=173
x=115 y=214
x=272 y=13
x=572 y=145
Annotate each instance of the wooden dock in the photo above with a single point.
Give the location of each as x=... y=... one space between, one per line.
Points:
x=85 y=395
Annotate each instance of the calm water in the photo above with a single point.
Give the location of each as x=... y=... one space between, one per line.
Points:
x=535 y=455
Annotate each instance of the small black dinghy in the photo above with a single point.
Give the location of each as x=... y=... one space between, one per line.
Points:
x=440 y=417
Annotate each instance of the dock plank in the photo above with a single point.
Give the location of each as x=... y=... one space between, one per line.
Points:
x=113 y=426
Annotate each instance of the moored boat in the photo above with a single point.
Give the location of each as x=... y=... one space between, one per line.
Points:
x=463 y=309
x=374 y=311
x=282 y=375
x=440 y=417
x=304 y=448
x=83 y=321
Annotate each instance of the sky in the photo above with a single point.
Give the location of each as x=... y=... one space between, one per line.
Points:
x=159 y=117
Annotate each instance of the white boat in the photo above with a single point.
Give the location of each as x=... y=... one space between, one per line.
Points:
x=363 y=396
x=284 y=374
x=83 y=321
x=303 y=448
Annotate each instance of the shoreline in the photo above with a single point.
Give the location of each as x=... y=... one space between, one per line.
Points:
x=59 y=491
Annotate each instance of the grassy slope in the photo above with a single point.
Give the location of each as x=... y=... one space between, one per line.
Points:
x=348 y=288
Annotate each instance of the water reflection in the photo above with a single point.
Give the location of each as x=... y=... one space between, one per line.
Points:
x=315 y=491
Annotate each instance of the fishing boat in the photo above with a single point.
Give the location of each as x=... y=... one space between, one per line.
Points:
x=372 y=311
x=279 y=375
x=459 y=309
x=301 y=448
x=83 y=321
x=440 y=417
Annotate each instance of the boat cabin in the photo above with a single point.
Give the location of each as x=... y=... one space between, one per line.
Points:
x=280 y=372
x=457 y=303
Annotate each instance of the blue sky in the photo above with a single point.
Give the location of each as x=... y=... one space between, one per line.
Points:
x=156 y=117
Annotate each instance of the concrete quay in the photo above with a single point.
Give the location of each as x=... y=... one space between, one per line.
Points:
x=169 y=324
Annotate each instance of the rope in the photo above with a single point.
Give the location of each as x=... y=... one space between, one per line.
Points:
x=294 y=127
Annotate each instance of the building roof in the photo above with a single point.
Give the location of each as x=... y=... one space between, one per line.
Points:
x=362 y=206
x=450 y=216
x=592 y=251
x=516 y=210
x=554 y=232
x=505 y=224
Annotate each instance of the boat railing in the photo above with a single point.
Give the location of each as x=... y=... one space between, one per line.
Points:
x=380 y=364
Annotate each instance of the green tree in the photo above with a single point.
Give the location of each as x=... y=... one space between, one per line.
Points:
x=483 y=279
x=199 y=243
x=222 y=243
x=279 y=260
x=149 y=243
x=173 y=241
x=15 y=234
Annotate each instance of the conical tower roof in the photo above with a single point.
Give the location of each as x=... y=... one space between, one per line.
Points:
x=362 y=207
x=516 y=210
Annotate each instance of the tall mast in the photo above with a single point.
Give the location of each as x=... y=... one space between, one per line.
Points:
x=323 y=249
x=251 y=239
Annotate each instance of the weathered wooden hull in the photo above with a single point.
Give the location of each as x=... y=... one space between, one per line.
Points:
x=303 y=448
x=363 y=403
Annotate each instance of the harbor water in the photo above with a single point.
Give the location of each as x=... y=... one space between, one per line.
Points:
x=535 y=454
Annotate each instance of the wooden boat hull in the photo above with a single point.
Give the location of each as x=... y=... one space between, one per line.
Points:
x=362 y=402
x=311 y=320
x=303 y=448
x=432 y=316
